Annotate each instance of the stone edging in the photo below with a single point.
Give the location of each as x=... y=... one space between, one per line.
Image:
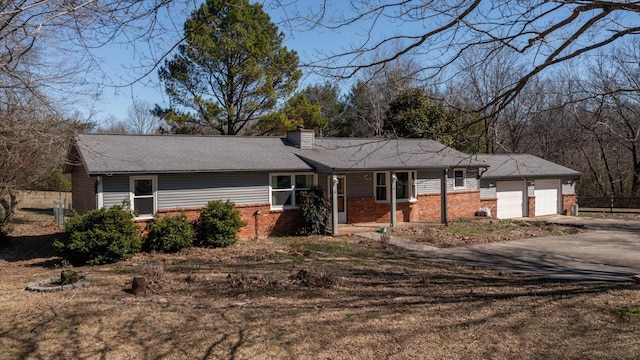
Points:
x=41 y=286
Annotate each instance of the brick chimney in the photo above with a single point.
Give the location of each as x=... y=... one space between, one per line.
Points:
x=301 y=138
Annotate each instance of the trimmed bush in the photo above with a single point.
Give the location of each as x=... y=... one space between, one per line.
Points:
x=315 y=210
x=169 y=234
x=100 y=236
x=218 y=224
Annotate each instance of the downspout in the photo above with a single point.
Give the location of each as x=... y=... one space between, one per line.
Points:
x=444 y=217
x=334 y=204
x=394 y=180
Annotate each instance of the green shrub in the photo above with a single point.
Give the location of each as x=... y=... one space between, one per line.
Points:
x=218 y=224
x=169 y=234
x=100 y=236
x=315 y=210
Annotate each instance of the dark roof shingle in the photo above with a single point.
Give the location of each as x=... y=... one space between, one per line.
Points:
x=505 y=166
x=112 y=154
x=126 y=154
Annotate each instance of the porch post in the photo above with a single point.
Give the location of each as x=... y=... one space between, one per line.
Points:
x=394 y=180
x=444 y=217
x=99 y=193
x=334 y=204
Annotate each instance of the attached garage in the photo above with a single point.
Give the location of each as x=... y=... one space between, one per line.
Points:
x=511 y=199
x=523 y=185
x=547 y=194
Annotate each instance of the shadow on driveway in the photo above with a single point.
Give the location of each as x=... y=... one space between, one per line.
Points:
x=611 y=252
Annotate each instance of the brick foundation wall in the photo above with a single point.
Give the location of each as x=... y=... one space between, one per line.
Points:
x=286 y=222
x=463 y=204
x=567 y=201
x=267 y=223
x=428 y=208
x=531 y=207
x=361 y=210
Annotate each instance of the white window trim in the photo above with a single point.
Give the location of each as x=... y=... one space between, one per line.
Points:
x=464 y=179
x=293 y=189
x=375 y=186
x=154 y=179
x=413 y=188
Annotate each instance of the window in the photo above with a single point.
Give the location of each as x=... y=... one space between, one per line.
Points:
x=406 y=189
x=303 y=182
x=143 y=196
x=459 y=176
x=381 y=186
x=286 y=188
x=402 y=186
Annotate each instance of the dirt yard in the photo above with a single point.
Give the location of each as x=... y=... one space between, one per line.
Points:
x=303 y=298
x=479 y=231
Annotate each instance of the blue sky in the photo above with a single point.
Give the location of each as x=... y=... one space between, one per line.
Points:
x=121 y=67
x=121 y=61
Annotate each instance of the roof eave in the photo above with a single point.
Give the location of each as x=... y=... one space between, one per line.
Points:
x=197 y=171
x=532 y=177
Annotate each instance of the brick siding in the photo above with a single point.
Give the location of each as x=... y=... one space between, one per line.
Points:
x=531 y=207
x=461 y=204
x=567 y=201
x=261 y=220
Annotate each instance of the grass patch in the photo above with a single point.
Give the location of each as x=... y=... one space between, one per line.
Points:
x=324 y=247
x=630 y=313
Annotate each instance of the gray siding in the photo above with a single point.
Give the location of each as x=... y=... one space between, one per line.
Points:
x=323 y=182
x=307 y=139
x=304 y=139
x=487 y=192
x=360 y=185
x=115 y=190
x=194 y=190
x=428 y=182
x=83 y=190
x=471 y=181
x=568 y=189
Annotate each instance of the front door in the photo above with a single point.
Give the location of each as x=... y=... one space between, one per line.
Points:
x=342 y=198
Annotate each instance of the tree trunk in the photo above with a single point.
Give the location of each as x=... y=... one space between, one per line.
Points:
x=139 y=285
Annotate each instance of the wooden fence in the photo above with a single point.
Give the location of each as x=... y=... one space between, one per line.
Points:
x=610 y=204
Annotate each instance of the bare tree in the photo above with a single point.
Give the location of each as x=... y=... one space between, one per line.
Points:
x=47 y=47
x=110 y=125
x=140 y=119
x=542 y=33
x=33 y=143
x=370 y=96
x=615 y=87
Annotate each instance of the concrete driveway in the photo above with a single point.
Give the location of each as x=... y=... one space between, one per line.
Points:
x=610 y=252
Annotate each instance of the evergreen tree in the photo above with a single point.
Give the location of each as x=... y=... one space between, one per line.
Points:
x=412 y=115
x=231 y=69
x=298 y=111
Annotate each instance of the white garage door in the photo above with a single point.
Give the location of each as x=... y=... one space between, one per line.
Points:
x=510 y=195
x=547 y=197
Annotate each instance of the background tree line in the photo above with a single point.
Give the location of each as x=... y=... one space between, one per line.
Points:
x=583 y=115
